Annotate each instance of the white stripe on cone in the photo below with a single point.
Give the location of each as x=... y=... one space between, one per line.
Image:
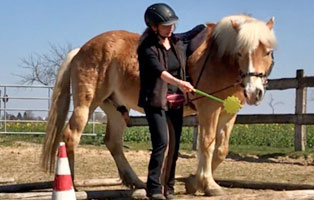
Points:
x=63 y=167
x=63 y=195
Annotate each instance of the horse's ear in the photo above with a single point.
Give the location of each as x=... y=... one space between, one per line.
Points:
x=235 y=25
x=270 y=23
x=210 y=25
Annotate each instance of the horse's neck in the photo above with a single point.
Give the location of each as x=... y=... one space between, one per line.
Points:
x=205 y=57
x=211 y=73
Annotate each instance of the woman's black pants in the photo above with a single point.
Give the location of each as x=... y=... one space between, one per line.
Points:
x=160 y=138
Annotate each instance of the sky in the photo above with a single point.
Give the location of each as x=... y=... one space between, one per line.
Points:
x=30 y=27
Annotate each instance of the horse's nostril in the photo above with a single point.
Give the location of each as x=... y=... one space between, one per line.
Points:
x=245 y=94
x=259 y=94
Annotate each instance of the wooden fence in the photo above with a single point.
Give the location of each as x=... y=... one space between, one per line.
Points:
x=299 y=118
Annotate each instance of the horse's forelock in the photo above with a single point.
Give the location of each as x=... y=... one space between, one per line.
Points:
x=250 y=33
x=253 y=33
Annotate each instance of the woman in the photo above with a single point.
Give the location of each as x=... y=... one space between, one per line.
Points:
x=162 y=58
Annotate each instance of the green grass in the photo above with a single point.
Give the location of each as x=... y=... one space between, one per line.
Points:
x=8 y=140
x=262 y=139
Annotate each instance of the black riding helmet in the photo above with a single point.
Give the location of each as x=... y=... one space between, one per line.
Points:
x=160 y=13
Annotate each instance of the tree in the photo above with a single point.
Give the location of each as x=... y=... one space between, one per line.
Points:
x=28 y=115
x=43 y=68
x=19 y=116
x=272 y=104
x=8 y=116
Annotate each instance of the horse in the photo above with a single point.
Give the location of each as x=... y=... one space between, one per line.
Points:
x=235 y=58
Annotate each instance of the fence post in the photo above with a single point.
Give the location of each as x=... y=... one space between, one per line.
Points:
x=5 y=108
x=93 y=125
x=49 y=99
x=195 y=137
x=300 y=108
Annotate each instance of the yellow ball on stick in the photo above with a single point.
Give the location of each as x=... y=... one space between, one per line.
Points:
x=231 y=104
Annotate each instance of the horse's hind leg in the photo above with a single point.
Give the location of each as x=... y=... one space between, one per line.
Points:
x=113 y=141
x=73 y=131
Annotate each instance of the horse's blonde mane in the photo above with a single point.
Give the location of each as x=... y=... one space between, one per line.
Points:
x=251 y=31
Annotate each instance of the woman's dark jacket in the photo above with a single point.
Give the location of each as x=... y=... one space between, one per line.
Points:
x=152 y=59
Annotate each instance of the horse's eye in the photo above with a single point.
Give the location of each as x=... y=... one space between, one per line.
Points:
x=268 y=53
x=239 y=54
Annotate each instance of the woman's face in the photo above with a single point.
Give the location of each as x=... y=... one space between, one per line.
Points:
x=164 y=30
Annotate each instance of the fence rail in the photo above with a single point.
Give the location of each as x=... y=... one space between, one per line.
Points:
x=4 y=110
x=304 y=119
x=300 y=118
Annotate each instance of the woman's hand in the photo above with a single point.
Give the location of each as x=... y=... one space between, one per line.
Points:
x=185 y=86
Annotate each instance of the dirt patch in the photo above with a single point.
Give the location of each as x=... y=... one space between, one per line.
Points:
x=21 y=162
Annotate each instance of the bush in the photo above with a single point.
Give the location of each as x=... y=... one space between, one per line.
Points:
x=272 y=135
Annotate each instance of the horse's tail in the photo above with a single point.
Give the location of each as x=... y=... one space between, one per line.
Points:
x=58 y=112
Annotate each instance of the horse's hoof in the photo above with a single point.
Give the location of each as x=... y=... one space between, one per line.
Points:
x=132 y=182
x=214 y=192
x=140 y=185
x=135 y=184
x=190 y=185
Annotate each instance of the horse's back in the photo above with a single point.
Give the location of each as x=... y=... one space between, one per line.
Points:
x=112 y=42
x=101 y=50
x=104 y=63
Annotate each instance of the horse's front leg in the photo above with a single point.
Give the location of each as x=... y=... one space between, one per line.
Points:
x=203 y=180
x=225 y=125
x=114 y=142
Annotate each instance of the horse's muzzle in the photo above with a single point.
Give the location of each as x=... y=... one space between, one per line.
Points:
x=254 y=97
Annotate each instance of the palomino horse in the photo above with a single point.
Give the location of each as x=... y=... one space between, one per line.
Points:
x=233 y=60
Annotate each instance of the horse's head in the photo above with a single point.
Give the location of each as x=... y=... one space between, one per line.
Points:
x=250 y=45
x=255 y=60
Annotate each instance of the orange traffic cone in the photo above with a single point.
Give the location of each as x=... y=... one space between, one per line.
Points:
x=63 y=186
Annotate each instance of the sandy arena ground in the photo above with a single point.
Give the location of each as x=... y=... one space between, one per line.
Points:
x=21 y=162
